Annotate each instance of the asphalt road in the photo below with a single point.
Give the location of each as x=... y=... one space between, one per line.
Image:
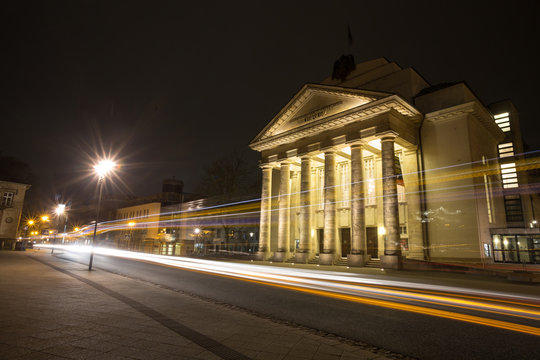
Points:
x=408 y=333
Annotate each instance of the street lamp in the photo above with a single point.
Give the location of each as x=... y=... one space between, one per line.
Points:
x=102 y=169
x=198 y=244
x=59 y=211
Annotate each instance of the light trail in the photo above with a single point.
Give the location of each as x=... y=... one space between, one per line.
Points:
x=405 y=296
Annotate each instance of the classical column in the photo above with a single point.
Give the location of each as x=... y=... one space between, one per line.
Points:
x=284 y=212
x=326 y=256
x=358 y=221
x=392 y=247
x=302 y=254
x=266 y=205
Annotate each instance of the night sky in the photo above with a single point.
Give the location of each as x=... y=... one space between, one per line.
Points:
x=170 y=87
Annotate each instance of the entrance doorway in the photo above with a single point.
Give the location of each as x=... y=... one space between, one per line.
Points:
x=372 y=242
x=345 y=241
x=320 y=233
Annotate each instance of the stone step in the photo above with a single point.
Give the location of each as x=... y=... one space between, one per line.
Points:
x=314 y=261
x=341 y=262
x=374 y=263
x=290 y=260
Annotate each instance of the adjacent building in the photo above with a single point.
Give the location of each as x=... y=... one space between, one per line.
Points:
x=374 y=163
x=11 y=205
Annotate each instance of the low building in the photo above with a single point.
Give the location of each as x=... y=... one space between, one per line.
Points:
x=11 y=205
x=136 y=227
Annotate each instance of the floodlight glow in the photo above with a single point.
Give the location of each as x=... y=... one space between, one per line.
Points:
x=197 y=230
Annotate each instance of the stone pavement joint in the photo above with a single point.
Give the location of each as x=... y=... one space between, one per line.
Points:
x=203 y=341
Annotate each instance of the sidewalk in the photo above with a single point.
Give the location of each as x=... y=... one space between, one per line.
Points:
x=54 y=309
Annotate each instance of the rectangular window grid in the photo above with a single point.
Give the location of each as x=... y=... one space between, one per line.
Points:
x=369 y=171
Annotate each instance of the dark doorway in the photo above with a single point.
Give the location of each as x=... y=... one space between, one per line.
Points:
x=320 y=233
x=372 y=242
x=345 y=241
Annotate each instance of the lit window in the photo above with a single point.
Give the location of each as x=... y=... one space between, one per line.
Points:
x=369 y=171
x=509 y=175
x=506 y=150
x=345 y=182
x=503 y=120
x=401 y=193
x=319 y=182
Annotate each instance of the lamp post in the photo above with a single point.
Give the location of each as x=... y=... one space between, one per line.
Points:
x=197 y=232
x=59 y=211
x=102 y=168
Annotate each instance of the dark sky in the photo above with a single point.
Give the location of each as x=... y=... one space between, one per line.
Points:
x=171 y=86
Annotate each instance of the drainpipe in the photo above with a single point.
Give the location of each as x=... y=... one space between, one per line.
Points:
x=423 y=205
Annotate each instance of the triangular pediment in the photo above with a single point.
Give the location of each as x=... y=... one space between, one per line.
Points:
x=315 y=102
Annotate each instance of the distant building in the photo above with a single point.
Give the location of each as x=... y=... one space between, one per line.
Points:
x=11 y=205
x=377 y=164
x=209 y=226
x=138 y=226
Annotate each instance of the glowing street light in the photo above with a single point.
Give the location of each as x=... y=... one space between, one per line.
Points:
x=45 y=218
x=60 y=209
x=30 y=222
x=102 y=169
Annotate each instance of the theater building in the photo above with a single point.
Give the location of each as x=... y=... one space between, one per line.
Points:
x=377 y=164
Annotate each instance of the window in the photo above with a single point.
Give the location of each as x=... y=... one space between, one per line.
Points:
x=345 y=184
x=401 y=193
x=503 y=120
x=319 y=188
x=369 y=171
x=506 y=150
x=7 y=199
x=403 y=230
x=509 y=175
x=489 y=194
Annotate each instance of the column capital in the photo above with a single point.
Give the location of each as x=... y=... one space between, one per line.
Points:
x=358 y=144
x=389 y=136
x=286 y=162
x=266 y=166
x=330 y=151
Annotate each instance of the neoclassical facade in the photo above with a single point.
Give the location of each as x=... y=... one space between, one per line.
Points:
x=380 y=165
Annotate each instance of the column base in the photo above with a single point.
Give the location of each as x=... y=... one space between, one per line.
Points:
x=391 y=262
x=261 y=255
x=326 y=259
x=280 y=256
x=356 y=260
x=301 y=257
